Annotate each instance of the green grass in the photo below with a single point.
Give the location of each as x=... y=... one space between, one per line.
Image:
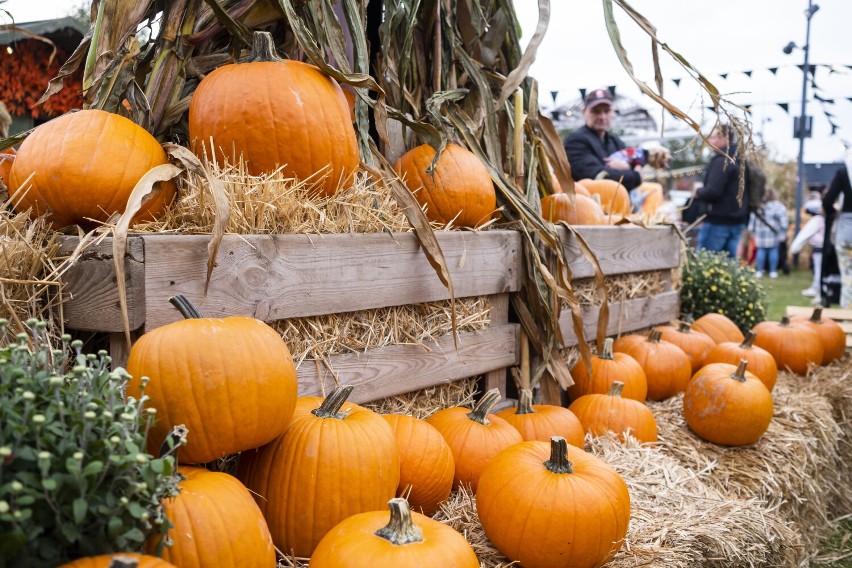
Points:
x=786 y=291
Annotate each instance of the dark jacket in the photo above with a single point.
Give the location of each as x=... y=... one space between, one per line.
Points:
x=586 y=153
x=721 y=189
x=839 y=185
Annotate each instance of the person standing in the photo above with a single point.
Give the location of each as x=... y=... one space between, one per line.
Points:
x=727 y=214
x=812 y=233
x=589 y=148
x=840 y=188
x=766 y=224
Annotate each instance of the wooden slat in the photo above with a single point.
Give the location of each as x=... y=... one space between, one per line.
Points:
x=283 y=276
x=397 y=369
x=837 y=314
x=622 y=249
x=623 y=317
x=498 y=315
x=91 y=288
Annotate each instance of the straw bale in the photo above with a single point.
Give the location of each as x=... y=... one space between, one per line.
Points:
x=792 y=467
x=622 y=287
x=424 y=402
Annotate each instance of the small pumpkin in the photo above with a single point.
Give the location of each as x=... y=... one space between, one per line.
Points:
x=794 y=345
x=726 y=405
x=667 y=367
x=580 y=189
x=275 y=113
x=543 y=421
x=831 y=335
x=119 y=560
x=576 y=210
x=407 y=540
x=602 y=413
x=426 y=463
x=608 y=367
x=719 y=327
x=695 y=344
x=216 y=523
x=231 y=381
x=573 y=508
x=7 y=158
x=459 y=189
x=81 y=167
x=653 y=197
x=475 y=436
x=336 y=459
x=615 y=199
x=761 y=363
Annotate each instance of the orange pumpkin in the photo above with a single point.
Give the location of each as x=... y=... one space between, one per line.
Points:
x=653 y=197
x=580 y=189
x=353 y=449
x=667 y=367
x=459 y=189
x=275 y=113
x=602 y=413
x=475 y=436
x=553 y=505
x=7 y=158
x=577 y=210
x=695 y=344
x=615 y=198
x=408 y=539
x=543 y=421
x=719 y=327
x=727 y=405
x=831 y=335
x=608 y=367
x=761 y=363
x=216 y=523
x=216 y=376
x=426 y=465
x=82 y=167
x=794 y=345
x=119 y=560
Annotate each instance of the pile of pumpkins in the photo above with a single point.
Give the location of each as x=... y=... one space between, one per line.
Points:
x=275 y=114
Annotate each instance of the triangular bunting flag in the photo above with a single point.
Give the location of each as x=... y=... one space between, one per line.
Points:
x=773 y=70
x=711 y=109
x=723 y=75
x=747 y=73
x=676 y=82
x=811 y=68
x=849 y=99
x=785 y=106
x=833 y=128
x=583 y=94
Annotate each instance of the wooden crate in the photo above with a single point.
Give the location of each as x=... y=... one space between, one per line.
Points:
x=275 y=277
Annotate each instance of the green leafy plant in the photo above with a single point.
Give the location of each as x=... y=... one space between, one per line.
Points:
x=714 y=282
x=75 y=478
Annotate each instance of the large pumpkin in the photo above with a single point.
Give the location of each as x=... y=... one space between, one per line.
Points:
x=667 y=367
x=335 y=460
x=695 y=344
x=719 y=327
x=608 y=367
x=216 y=523
x=119 y=560
x=576 y=210
x=727 y=405
x=553 y=505
x=761 y=363
x=793 y=344
x=426 y=464
x=276 y=113
x=543 y=421
x=603 y=413
x=406 y=540
x=81 y=167
x=459 y=189
x=830 y=333
x=475 y=436
x=231 y=381
x=615 y=199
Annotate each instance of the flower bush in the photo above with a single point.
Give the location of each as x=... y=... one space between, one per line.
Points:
x=714 y=282
x=75 y=478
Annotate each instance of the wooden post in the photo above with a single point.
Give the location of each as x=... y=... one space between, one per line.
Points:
x=499 y=315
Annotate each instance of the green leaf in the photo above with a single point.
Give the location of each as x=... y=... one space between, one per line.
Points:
x=80 y=508
x=49 y=484
x=93 y=468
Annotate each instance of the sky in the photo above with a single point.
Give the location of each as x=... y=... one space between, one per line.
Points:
x=716 y=36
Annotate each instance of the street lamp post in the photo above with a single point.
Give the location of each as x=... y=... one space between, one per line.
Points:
x=801 y=125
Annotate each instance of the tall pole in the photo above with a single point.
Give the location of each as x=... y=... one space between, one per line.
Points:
x=801 y=130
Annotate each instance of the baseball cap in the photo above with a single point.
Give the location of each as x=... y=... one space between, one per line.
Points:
x=598 y=96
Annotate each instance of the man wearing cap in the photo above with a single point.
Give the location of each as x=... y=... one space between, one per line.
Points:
x=590 y=146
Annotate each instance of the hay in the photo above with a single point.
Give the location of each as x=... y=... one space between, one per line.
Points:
x=792 y=467
x=424 y=402
x=622 y=287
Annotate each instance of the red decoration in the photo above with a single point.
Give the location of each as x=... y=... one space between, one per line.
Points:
x=25 y=74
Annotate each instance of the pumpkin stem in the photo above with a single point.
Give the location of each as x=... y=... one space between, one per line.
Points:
x=525 y=403
x=483 y=407
x=615 y=388
x=123 y=562
x=749 y=340
x=785 y=321
x=654 y=336
x=739 y=374
x=185 y=307
x=684 y=327
x=606 y=350
x=816 y=317
x=558 y=462
x=330 y=407
x=263 y=48
x=401 y=528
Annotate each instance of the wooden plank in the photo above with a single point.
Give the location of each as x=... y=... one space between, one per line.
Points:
x=845 y=326
x=273 y=277
x=398 y=369
x=498 y=315
x=837 y=314
x=622 y=249
x=625 y=316
x=91 y=288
